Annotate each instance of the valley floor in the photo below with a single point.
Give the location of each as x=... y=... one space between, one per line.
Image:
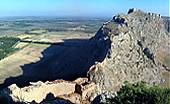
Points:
x=31 y=48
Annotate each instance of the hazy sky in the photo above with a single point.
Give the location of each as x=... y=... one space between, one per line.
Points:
x=104 y=8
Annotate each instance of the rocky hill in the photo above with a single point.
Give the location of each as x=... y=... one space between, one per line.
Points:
x=131 y=47
x=137 y=44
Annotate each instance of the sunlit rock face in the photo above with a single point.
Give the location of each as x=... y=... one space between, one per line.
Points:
x=58 y=92
x=137 y=50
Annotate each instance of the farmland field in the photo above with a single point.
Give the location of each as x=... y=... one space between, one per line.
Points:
x=23 y=39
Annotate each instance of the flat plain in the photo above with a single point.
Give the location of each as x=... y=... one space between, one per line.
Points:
x=35 y=34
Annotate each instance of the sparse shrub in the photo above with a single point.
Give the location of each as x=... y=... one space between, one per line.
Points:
x=7 y=46
x=141 y=93
x=112 y=25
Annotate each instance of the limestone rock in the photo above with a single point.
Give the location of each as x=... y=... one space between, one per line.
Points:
x=55 y=92
x=38 y=91
x=134 y=41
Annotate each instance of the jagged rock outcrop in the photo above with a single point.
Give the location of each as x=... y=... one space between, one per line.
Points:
x=38 y=91
x=57 y=92
x=137 y=41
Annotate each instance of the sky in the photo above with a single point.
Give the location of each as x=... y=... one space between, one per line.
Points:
x=80 y=8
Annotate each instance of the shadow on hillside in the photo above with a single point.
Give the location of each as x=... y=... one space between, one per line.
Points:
x=67 y=60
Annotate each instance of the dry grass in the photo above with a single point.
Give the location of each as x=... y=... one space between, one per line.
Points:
x=166 y=76
x=31 y=52
x=164 y=57
x=10 y=66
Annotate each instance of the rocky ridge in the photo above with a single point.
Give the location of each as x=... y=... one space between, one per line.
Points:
x=137 y=39
x=131 y=47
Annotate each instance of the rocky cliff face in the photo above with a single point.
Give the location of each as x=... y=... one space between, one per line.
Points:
x=137 y=42
x=131 y=47
x=166 y=22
